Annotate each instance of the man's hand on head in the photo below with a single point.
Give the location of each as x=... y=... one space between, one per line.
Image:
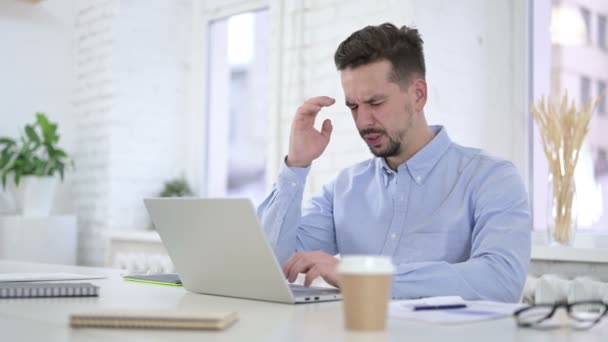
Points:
x=306 y=143
x=313 y=264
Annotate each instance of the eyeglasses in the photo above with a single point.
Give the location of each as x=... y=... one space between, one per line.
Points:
x=585 y=313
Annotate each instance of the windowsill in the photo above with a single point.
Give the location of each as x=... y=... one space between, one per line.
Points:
x=570 y=254
x=588 y=247
x=134 y=235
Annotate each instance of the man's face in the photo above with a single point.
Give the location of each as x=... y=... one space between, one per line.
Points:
x=383 y=112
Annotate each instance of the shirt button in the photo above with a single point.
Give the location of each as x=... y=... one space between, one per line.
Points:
x=418 y=179
x=294 y=184
x=393 y=236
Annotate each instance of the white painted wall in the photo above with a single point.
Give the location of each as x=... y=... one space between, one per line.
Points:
x=35 y=73
x=476 y=60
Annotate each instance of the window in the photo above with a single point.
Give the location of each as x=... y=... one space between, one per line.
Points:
x=587 y=18
x=571 y=65
x=237 y=115
x=601 y=32
x=601 y=91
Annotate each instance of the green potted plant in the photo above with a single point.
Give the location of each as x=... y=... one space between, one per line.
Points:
x=31 y=164
x=177 y=187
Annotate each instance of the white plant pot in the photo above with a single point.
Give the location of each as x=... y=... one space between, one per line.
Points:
x=34 y=196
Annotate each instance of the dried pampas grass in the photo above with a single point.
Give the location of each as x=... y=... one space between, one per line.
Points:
x=563 y=130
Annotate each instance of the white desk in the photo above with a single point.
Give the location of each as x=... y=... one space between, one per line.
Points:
x=47 y=319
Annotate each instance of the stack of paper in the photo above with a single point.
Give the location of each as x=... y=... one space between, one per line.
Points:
x=43 y=276
x=473 y=312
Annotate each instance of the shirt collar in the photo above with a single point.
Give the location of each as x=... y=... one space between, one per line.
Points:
x=421 y=163
x=385 y=171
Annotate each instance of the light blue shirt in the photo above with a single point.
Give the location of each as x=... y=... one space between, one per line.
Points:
x=454 y=220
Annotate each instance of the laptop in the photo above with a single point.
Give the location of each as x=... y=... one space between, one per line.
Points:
x=218 y=247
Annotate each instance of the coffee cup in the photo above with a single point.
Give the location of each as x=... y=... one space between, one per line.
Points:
x=365 y=283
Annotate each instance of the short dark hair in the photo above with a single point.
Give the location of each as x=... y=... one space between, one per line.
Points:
x=400 y=46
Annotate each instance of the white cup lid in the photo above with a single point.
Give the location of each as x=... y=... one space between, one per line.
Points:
x=365 y=264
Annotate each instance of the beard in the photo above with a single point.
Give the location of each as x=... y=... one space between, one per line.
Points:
x=394 y=142
x=396 y=139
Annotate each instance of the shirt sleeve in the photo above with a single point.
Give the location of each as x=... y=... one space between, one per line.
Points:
x=289 y=228
x=500 y=250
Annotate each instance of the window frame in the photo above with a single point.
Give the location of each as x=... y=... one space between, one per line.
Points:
x=602 y=42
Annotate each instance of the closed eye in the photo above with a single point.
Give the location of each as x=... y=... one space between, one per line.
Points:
x=375 y=101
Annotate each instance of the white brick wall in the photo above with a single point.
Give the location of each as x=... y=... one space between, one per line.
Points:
x=94 y=98
x=130 y=95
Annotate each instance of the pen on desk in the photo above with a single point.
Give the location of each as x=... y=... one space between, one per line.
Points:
x=439 y=307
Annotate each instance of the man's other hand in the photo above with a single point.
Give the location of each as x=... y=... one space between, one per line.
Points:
x=313 y=264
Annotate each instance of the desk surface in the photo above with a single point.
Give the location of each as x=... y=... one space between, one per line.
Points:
x=47 y=319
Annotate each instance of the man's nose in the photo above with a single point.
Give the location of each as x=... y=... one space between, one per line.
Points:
x=365 y=117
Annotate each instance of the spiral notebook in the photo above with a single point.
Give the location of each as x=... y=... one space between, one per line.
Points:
x=154 y=319
x=35 y=290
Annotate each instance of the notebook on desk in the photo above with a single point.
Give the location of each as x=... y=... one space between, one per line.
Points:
x=36 y=290
x=154 y=319
x=218 y=247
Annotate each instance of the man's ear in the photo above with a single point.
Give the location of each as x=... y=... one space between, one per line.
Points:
x=420 y=90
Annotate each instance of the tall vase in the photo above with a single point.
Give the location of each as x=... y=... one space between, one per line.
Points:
x=562 y=210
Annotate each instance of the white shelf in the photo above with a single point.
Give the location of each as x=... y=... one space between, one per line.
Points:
x=584 y=251
x=588 y=247
x=134 y=235
x=570 y=254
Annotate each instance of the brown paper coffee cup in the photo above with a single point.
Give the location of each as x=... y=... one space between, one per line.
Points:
x=365 y=283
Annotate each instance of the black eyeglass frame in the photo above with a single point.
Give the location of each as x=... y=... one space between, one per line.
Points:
x=556 y=306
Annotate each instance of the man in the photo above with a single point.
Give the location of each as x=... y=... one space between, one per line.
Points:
x=455 y=220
